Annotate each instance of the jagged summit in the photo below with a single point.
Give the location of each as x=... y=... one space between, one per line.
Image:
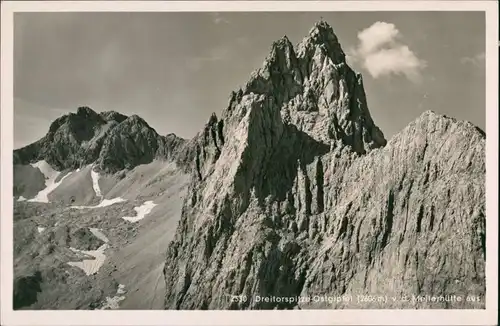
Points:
x=431 y=122
x=282 y=44
x=440 y=121
x=85 y=111
x=432 y=115
x=284 y=41
x=136 y=119
x=321 y=33
x=322 y=37
x=315 y=90
x=113 y=116
x=282 y=56
x=288 y=188
x=109 y=139
x=321 y=40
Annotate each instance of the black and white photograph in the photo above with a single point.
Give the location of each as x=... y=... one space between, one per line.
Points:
x=313 y=160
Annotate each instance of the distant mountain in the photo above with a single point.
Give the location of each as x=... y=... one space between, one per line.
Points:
x=293 y=192
x=111 y=140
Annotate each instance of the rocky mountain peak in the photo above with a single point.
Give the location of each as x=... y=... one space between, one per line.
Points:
x=321 y=37
x=113 y=116
x=315 y=90
x=280 y=49
x=289 y=192
x=430 y=118
x=134 y=121
x=134 y=118
x=430 y=115
x=85 y=111
x=109 y=139
x=434 y=124
x=321 y=33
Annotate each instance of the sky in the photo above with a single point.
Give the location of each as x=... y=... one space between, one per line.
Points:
x=175 y=69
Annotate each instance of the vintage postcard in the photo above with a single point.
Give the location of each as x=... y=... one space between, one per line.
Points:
x=249 y=163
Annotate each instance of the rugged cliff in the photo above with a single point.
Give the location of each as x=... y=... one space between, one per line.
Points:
x=295 y=192
x=96 y=172
x=109 y=139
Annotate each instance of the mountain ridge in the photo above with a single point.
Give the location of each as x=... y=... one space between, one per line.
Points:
x=284 y=190
x=77 y=139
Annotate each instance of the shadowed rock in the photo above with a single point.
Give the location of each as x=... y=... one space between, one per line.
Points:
x=110 y=139
x=26 y=290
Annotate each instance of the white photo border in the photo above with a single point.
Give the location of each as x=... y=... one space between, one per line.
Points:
x=486 y=316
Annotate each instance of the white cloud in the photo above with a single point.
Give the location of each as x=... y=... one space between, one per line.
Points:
x=476 y=60
x=374 y=37
x=350 y=56
x=382 y=53
x=398 y=61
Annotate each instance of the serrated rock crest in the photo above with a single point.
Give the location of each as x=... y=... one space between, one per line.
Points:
x=111 y=140
x=296 y=192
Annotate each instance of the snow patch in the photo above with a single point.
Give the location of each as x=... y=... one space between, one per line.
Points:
x=121 y=289
x=109 y=202
x=46 y=169
x=40 y=229
x=95 y=182
x=90 y=266
x=21 y=198
x=142 y=211
x=99 y=234
x=103 y=203
x=50 y=181
x=114 y=302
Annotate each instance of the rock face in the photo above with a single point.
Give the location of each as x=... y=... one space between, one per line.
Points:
x=87 y=159
x=26 y=289
x=111 y=140
x=296 y=192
